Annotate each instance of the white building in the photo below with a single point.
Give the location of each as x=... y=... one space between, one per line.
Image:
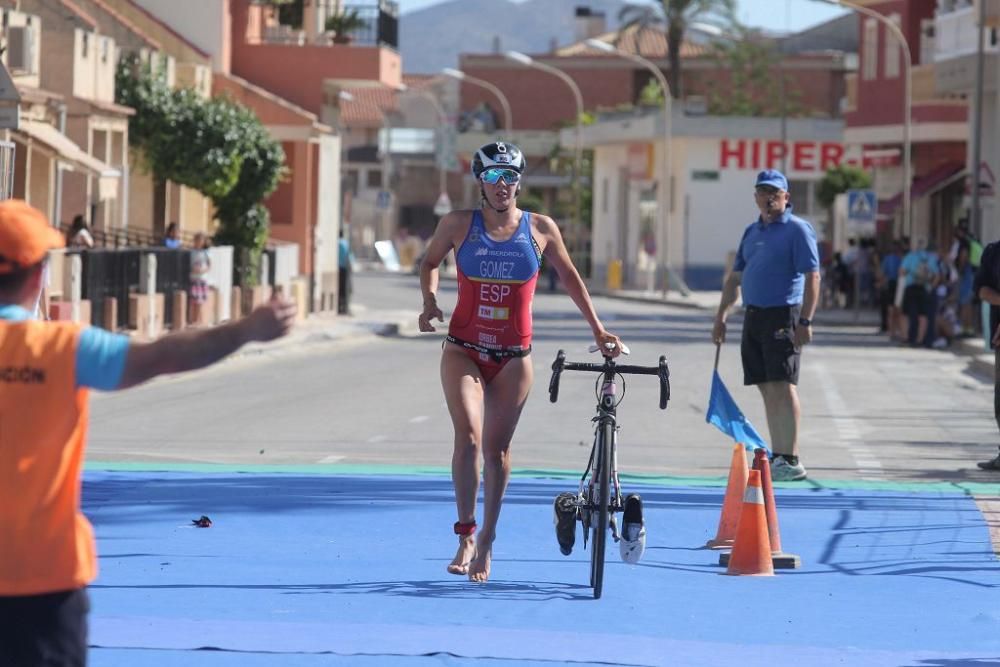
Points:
x=955 y=53
x=713 y=164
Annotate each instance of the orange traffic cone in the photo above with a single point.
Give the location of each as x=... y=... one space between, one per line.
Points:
x=779 y=558
x=752 y=550
x=735 y=487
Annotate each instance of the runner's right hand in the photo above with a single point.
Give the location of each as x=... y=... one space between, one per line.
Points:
x=431 y=311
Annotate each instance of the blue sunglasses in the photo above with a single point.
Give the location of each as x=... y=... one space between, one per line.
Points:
x=494 y=174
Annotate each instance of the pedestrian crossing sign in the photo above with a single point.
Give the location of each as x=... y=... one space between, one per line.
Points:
x=861 y=206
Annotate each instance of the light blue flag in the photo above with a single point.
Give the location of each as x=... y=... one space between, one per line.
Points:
x=728 y=418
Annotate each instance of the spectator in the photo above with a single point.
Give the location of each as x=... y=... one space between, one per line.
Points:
x=945 y=322
x=173 y=236
x=345 y=267
x=79 y=235
x=888 y=279
x=919 y=269
x=201 y=264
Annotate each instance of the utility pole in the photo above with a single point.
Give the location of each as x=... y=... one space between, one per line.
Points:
x=975 y=217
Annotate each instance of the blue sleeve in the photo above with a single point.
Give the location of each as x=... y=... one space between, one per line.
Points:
x=100 y=359
x=805 y=254
x=740 y=262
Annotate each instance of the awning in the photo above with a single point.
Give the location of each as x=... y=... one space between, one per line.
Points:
x=930 y=183
x=73 y=156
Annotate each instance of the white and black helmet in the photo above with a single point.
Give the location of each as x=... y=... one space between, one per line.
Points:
x=497 y=154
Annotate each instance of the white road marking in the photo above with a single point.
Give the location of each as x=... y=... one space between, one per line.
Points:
x=331 y=459
x=418 y=419
x=377 y=438
x=849 y=429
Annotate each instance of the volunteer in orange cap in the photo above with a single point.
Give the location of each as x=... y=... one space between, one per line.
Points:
x=47 y=554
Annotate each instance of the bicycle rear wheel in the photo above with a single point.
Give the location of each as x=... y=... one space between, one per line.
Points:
x=602 y=498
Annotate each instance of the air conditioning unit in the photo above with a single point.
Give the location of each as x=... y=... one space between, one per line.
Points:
x=21 y=49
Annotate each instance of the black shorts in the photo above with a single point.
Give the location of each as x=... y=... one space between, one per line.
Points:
x=768 y=347
x=915 y=300
x=45 y=630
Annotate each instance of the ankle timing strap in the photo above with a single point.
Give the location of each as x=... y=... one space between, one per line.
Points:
x=465 y=528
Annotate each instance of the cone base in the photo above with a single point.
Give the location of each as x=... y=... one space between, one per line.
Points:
x=719 y=544
x=780 y=561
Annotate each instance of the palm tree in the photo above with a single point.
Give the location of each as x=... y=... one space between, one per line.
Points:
x=678 y=15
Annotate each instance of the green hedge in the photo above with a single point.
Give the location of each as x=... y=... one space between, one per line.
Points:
x=215 y=146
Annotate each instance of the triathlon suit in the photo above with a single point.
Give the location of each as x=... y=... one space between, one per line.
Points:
x=496 y=283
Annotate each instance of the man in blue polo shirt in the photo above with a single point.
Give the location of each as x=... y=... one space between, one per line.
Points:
x=777 y=266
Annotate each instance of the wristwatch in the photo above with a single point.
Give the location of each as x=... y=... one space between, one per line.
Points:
x=804 y=322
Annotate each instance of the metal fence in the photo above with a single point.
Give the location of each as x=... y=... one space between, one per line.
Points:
x=117 y=273
x=380 y=17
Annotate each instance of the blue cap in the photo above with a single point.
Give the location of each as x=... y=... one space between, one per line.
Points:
x=772 y=177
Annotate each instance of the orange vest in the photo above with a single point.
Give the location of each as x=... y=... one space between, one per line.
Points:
x=46 y=544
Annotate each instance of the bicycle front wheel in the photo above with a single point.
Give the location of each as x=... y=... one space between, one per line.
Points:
x=601 y=498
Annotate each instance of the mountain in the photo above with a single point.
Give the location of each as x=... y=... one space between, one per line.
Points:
x=431 y=38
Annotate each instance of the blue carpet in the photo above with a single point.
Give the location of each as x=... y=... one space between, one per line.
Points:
x=296 y=567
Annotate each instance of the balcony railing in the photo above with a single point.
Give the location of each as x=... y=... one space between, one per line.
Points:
x=378 y=23
x=955 y=31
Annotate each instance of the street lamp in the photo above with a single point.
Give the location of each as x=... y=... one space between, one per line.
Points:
x=462 y=76
x=528 y=61
x=907 y=98
x=667 y=154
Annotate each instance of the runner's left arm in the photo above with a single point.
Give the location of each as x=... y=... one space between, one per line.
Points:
x=556 y=253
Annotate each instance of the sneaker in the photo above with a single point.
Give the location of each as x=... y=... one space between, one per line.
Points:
x=992 y=464
x=783 y=471
x=633 y=542
x=565 y=520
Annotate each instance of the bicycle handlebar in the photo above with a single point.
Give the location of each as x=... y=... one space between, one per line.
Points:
x=560 y=365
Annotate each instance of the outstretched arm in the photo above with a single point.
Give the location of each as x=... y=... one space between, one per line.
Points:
x=194 y=349
x=555 y=252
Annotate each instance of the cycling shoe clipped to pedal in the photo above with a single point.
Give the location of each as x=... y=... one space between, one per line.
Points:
x=565 y=521
x=633 y=538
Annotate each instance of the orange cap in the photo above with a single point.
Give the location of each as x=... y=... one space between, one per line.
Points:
x=25 y=236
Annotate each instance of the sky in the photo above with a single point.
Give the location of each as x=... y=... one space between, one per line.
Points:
x=777 y=15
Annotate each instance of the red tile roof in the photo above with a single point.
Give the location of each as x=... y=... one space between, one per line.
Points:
x=652 y=43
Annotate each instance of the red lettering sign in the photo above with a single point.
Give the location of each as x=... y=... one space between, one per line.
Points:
x=830 y=155
x=728 y=152
x=803 y=156
x=775 y=152
x=806 y=156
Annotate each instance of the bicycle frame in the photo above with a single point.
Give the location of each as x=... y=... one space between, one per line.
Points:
x=605 y=423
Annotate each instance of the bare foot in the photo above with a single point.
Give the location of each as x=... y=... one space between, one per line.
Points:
x=479 y=568
x=466 y=551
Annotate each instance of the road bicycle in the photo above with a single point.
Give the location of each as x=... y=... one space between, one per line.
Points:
x=599 y=496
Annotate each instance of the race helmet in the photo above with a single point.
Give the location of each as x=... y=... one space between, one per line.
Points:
x=497 y=154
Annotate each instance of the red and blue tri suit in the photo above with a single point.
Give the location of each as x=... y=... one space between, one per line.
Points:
x=496 y=284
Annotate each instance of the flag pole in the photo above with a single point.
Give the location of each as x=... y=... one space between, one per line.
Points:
x=718 y=348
